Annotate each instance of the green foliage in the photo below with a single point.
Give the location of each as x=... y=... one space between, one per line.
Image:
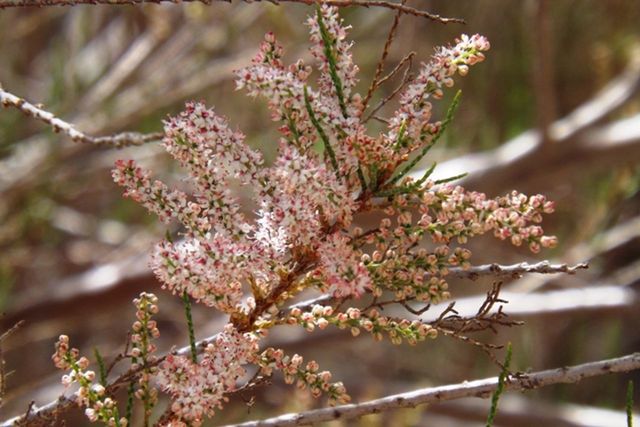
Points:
x=630 y=404
x=500 y=389
x=192 y=336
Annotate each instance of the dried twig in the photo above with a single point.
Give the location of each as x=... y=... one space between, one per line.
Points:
x=58 y=125
x=375 y=83
x=3 y=374
x=406 y=78
x=340 y=3
x=544 y=267
x=515 y=270
x=479 y=388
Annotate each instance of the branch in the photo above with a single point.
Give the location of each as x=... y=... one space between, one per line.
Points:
x=494 y=270
x=42 y=416
x=479 y=388
x=339 y=3
x=119 y=140
x=514 y=270
x=614 y=297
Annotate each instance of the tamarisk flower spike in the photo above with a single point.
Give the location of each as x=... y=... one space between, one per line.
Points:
x=301 y=233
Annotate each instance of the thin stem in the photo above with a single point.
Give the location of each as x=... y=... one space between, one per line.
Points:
x=331 y=60
x=102 y=369
x=338 y=3
x=323 y=135
x=58 y=125
x=630 y=404
x=477 y=388
x=375 y=83
x=192 y=336
x=496 y=395
x=450 y=113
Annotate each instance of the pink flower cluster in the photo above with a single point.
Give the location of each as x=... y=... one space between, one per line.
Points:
x=304 y=196
x=411 y=121
x=341 y=269
x=327 y=30
x=301 y=234
x=305 y=375
x=98 y=406
x=197 y=389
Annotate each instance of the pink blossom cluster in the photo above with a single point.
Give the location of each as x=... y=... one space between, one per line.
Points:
x=341 y=269
x=355 y=320
x=93 y=397
x=304 y=197
x=301 y=234
x=412 y=121
x=327 y=24
x=198 y=388
x=304 y=375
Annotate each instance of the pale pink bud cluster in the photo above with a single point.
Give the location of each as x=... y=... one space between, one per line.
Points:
x=197 y=389
x=355 y=320
x=450 y=212
x=93 y=397
x=411 y=121
x=144 y=330
x=202 y=142
x=304 y=375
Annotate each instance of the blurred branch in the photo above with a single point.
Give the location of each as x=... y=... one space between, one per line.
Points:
x=515 y=270
x=58 y=125
x=494 y=270
x=539 y=304
x=375 y=83
x=479 y=388
x=515 y=158
x=526 y=412
x=543 y=69
x=400 y=7
x=4 y=335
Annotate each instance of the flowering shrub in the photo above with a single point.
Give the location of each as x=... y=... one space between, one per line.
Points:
x=328 y=170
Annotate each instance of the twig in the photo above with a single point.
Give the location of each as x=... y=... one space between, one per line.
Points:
x=375 y=83
x=60 y=405
x=340 y=3
x=543 y=69
x=406 y=78
x=473 y=273
x=11 y=330
x=58 y=125
x=478 y=388
x=515 y=270
x=3 y=374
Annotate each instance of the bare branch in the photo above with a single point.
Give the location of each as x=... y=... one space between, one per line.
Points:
x=479 y=388
x=375 y=83
x=542 y=70
x=58 y=125
x=515 y=270
x=614 y=297
x=340 y=3
x=491 y=168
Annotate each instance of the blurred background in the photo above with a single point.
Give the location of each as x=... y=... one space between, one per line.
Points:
x=554 y=110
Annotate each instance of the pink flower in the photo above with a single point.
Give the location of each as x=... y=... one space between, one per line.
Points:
x=341 y=267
